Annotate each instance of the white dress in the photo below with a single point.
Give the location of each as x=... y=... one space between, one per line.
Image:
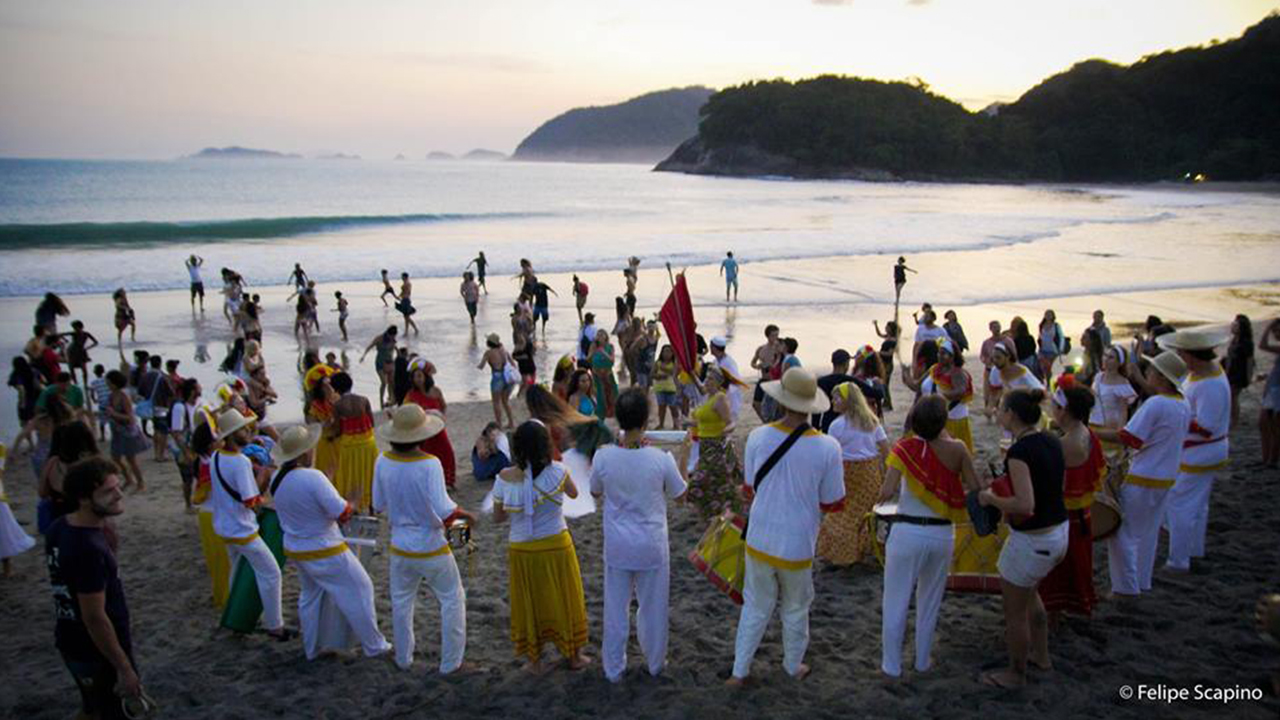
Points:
x=13 y=539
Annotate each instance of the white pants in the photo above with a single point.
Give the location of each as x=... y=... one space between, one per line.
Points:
x=267 y=573
x=343 y=581
x=1187 y=517
x=652 y=589
x=915 y=557
x=1131 y=552
x=442 y=578
x=761 y=586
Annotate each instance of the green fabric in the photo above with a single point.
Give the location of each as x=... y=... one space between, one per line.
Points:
x=244 y=605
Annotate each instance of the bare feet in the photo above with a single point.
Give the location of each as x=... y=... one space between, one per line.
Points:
x=1004 y=679
x=579 y=661
x=534 y=667
x=735 y=681
x=802 y=672
x=1045 y=665
x=466 y=668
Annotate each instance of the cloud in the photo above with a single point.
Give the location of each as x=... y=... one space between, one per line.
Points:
x=478 y=61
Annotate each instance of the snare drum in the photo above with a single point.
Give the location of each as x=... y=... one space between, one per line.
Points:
x=362 y=536
x=1106 y=514
x=878 y=522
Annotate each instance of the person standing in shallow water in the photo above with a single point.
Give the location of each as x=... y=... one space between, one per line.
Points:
x=729 y=269
x=470 y=293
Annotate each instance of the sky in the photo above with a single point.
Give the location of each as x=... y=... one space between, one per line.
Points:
x=164 y=78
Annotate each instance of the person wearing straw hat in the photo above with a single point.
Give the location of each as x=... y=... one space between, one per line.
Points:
x=793 y=475
x=409 y=486
x=328 y=572
x=1205 y=448
x=235 y=492
x=1154 y=434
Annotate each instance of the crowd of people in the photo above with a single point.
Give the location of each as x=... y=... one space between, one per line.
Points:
x=1140 y=425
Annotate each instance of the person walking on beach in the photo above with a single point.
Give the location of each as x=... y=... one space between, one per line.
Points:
x=729 y=269
x=635 y=483
x=194 y=263
x=81 y=342
x=409 y=487
x=580 y=291
x=124 y=317
x=470 y=293
x=899 y=281
x=384 y=363
x=481 y=264
x=235 y=493
x=328 y=572
x=586 y=336
x=127 y=440
x=387 y=289
x=49 y=310
x=343 y=313
x=796 y=476
x=92 y=629
x=298 y=277
x=233 y=292
x=542 y=304
x=497 y=358
x=405 y=304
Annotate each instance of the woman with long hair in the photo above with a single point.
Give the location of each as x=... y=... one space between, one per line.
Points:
x=71 y=442
x=844 y=538
x=424 y=393
x=717 y=475
x=602 y=360
x=81 y=342
x=125 y=317
x=1240 y=362
x=560 y=384
x=1052 y=343
x=869 y=368
x=233 y=363
x=49 y=310
x=544 y=579
x=127 y=440
x=1025 y=345
x=1091 y=345
x=575 y=437
x=496 y=358
x=582 y=392
x=665 y=392
x=888 y=350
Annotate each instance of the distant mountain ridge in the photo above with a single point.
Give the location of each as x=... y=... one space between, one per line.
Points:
x=643 y=129
x=1213 y=110
x=235 y=151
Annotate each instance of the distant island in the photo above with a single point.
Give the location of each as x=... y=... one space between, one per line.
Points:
x=440 y=155
x=642 y=129
x=237 y=152
x=482 y=154
x=1210 y=112
x=337 y=156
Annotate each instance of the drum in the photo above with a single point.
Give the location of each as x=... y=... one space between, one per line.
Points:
x=1106 y=515
x=721 y=554
x=361 y=532
x=974 y=559
x=878 y=522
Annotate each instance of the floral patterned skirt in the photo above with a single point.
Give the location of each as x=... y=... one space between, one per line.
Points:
x=715 y=480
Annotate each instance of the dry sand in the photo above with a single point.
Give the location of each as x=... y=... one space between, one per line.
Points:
x=1189 y=630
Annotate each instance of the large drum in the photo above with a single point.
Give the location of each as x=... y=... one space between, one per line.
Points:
x=1105 y=513
x=721 y=554
x=244 y=605
x=973 y=560
x=878 y=522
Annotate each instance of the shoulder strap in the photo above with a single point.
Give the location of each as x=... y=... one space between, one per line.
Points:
x=778 y=453
x=217 y=470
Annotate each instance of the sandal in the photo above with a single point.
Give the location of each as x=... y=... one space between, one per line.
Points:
x=282 y=635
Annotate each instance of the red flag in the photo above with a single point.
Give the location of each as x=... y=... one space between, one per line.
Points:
x=677 y=319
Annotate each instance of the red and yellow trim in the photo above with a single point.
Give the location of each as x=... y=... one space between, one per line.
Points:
x=943 y=495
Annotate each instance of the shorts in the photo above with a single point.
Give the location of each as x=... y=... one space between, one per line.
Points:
x=731 y=282
x=160 y=425
x=1271 y=397
x=668 y=399
x=497 y=382
x=197 y=289
x=642 y=379
x=541 y=311
x=1027 y=558
x=758 y=395
x=96 y=679
x=471 y=309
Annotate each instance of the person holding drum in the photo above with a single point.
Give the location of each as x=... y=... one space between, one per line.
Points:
x=1069 y=587
x=328 y=572
x=929 y=473
x=1037 y=539
x=409 y=486
x=1155 y=434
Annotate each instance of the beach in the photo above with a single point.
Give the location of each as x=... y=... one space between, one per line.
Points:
x=1195 y=629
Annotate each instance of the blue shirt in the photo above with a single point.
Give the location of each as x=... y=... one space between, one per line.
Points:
x=730 y=269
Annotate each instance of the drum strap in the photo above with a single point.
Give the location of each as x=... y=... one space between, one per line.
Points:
x=226 y=488
x=773 y=460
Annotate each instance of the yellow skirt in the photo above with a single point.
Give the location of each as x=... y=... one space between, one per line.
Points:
x=960 y=430
x=215 y=558
x=546 y=596
x=327 y=457
x=354 y=475
x=845 y=538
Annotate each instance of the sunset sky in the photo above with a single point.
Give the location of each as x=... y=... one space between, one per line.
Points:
x=158 y=78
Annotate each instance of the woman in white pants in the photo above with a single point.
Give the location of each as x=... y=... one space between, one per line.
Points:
x=1037 y=542
x=330 y=576
x=930 y=474
x=409 y=486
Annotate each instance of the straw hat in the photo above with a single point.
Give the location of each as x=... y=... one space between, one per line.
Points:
x=493 y=339
x=1193 y=339
x=1170 y=366
x=295 y=441
x=798 y=391
x=230 y=421
x=410 y=424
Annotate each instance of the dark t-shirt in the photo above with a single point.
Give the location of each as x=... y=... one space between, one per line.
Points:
x=540 y=294
x=80 y=561
x=1042 y=452
x=1026 y=346
x=828 y=383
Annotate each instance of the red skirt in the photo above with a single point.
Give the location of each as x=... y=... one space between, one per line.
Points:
x=1069 y=587
x=440 y=446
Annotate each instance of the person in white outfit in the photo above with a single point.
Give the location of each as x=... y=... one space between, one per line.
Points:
x=795 y=474
x=635 y=482
x=234 y=493
x=1155 y=434
x=729 y=365
x=929 y=473
x=310 y=511
x=1205 y=448
x=408 y=485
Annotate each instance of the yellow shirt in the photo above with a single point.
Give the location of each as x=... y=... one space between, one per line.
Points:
x=710 y=424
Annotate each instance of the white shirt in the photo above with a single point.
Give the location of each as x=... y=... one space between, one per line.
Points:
x=958 y=411
x=232 y=518
x=635 y=485
x=182 y=418
x=734 y=393
x=787 y=509
x=1025 y=379
x=924 y=333
x=856 y=443
x=547 y=492
x=1210 y=400
x=412 y=494
x=194 y=272
x=309 y=508
x=1114 y=399
x=1161 y=424
x=588 y=332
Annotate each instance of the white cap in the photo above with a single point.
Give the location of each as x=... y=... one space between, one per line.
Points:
x=719 y=341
